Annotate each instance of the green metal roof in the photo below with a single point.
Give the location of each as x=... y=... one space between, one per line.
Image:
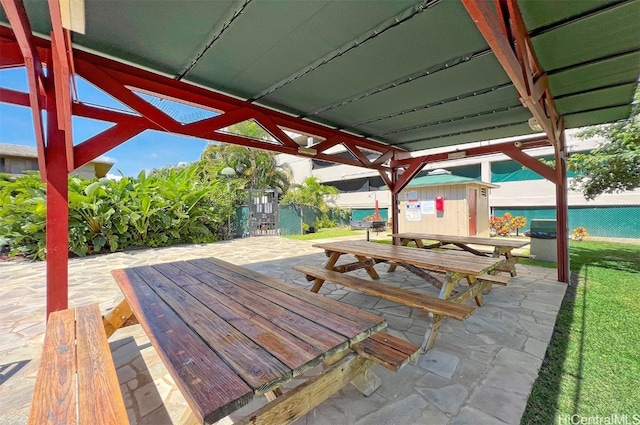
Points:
x=415 y=74
x=445 y=179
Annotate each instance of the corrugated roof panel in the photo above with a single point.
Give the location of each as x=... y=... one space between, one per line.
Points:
x=467 y=137
x=537 y=14
x=406 y=49
x=469 y=107
x=476 y=75
x=518 y=115
x=602 y=116
x=162 y=35
x=598 y=99
x=273 y=40
x=614 y=71
x=590 y=38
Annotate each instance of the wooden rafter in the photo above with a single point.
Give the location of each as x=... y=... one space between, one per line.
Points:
x=21 y=27
x=503 y=29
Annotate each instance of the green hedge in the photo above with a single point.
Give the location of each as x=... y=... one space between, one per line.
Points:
x=175 y=206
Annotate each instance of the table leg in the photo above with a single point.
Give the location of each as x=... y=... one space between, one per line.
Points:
x=273 y=394
x=403 y=242
x=370 y=270
x=472 y=280
x=120 y=316
x=467 y=248
x=509 y=263
x=445 y=294
x=304 y=398
x=331 y=262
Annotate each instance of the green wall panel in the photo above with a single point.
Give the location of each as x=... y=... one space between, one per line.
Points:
x=361 y=213
x=612 y=222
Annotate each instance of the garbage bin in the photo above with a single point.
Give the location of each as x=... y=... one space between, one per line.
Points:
x=543 y=240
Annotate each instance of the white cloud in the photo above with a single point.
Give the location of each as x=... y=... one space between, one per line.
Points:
x=115 y=177
x=105 y=158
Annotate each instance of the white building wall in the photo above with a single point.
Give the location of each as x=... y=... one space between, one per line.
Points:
x=509 y=194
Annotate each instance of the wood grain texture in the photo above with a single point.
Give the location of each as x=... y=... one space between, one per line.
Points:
x=389 y=351
x=212 y=389
x=227 y=333
x=401 y=296
x=350 y=322
x=118 y=317
x=493 y=242
x=252 y=363
x=99 y=398
x=431 y=260
x=54 y=396
x=260 y=326
x=244 y=290
x=296 y=403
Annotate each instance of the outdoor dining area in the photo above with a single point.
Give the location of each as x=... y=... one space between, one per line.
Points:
x=275 y=330
x=479 y=369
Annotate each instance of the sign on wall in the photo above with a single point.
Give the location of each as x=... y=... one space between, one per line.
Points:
x=412 y=210
x=428 y=207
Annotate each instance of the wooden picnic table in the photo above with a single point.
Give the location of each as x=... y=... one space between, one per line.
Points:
x=500 y=247
x=473 y=269
x=227 y=334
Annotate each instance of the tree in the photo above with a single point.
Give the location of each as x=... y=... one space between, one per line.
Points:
x=311 y=193
x=255 y=168
x=614 y=166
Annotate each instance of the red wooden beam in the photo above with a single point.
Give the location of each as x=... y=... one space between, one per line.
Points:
x=57 y=234
x=414 y=167
x=122 y=93
x=497 y=32
x=532 y=163
x=119 y=80
x=525 y=143
x=62 y=87
x=562 y=211
x=11 y=56
x=21 y=28
x=110 y=138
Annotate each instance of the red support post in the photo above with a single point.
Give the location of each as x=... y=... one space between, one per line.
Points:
x=394 y=204
x=57 y=229
x=562 y=211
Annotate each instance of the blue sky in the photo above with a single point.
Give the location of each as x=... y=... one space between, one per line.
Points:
x=148 y=150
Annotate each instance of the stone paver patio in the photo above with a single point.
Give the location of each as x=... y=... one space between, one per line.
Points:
x=479 y=372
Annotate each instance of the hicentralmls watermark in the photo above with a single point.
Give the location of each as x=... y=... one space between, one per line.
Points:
x=614 y=419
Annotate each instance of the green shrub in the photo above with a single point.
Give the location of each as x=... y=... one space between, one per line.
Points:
x=160 y=209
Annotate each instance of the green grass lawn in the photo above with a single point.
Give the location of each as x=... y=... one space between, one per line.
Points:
x=592 y=366
x=332 y=232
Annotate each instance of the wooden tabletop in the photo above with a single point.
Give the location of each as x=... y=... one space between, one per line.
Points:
x=428 y=259
x=227 y=333
x=508 y=243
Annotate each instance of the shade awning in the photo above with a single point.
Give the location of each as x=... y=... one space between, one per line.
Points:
x=414 y=75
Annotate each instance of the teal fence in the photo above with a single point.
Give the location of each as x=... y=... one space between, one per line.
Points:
x=290 y=219
x=610 y=221
x=361 y=213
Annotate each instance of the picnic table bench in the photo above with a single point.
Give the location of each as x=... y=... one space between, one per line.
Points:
x=77 y=381
x=475 y=271
x=227 y=334
x=499 y=246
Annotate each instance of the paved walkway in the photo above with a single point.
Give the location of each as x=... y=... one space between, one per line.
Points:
x=480 y=371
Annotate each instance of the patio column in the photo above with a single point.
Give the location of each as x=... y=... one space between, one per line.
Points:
x=57 y=226
x=394 y=204
x=562 y=210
